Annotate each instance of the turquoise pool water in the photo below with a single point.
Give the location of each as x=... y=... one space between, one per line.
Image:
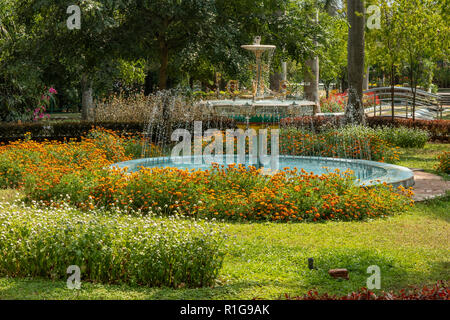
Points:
x=366 y=172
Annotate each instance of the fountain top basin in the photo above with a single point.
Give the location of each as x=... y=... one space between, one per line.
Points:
x=258 y=47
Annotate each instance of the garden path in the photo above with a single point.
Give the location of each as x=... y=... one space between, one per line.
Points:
x=428 y=186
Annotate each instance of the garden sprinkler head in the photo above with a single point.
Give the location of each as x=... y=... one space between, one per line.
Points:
x=311 y=264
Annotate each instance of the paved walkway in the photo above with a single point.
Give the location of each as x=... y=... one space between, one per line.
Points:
x=428 y=186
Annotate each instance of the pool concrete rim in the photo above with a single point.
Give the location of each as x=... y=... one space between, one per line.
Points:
x=393 y=174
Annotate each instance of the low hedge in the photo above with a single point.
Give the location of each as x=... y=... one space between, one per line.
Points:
x=109 y=248
x=439 y=130
x=62 y=130
x=39 y=131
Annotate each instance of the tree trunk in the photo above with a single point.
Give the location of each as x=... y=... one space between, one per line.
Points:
x=312 y=77
x=354 y=112
x=366 y=79
x=148 y=85
x=87 y=101
x=312 y=82
x=284 y=71
x=414 y=102
x=275 y=79
x=343 y=80
x=413 y=80
x=164 y=62
x=392 y=91
x=414 y=92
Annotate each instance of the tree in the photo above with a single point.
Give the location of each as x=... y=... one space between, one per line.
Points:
x=82 y=51
x=333 y=58
x=426 y=37
x=20 y=75
x=354 y=112
x=313 y=69
x=386 y=44
x=169 y=26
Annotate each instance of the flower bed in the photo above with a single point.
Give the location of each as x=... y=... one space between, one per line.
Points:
x=336 y=102
x=444 y=162
x=52 y=160
x=111 y=248
x=48 y=171
x=232 y=194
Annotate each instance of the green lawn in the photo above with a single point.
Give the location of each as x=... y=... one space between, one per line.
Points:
x=266 y=260
x=423 y=158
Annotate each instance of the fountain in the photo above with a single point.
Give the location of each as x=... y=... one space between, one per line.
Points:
x=258 y=49
x=262 y=103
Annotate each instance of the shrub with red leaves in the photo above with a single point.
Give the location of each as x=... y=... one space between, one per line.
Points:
x=439 y=291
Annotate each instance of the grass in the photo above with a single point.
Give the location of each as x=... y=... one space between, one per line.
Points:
x=267 y=260
x=65 y=116
x=423 y=158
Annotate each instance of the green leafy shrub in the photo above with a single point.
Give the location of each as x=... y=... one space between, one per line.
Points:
x=112 y=248
x=404 y=137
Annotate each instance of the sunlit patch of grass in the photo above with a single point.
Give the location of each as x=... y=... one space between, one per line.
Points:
x=9 y=195
x=266 y=260
x=425 y=158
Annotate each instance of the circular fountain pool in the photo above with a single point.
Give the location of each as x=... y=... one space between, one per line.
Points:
x=366 y=172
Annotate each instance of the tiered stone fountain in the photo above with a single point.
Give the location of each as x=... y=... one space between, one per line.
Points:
x=261 y=103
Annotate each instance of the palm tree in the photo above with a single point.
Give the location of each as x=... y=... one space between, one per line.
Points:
x=354 y=112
